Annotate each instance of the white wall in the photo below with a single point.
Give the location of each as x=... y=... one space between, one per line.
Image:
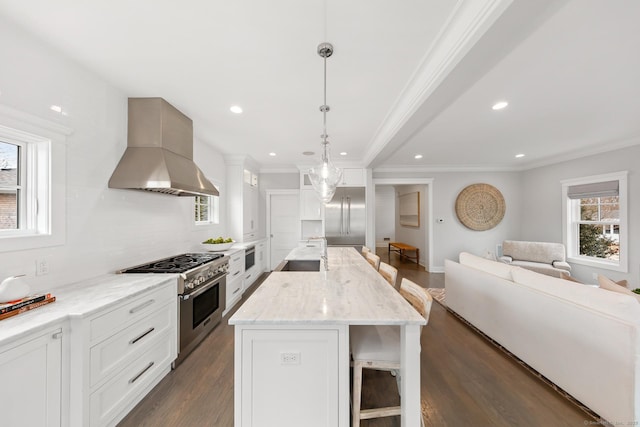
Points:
x=451 y=237
x=385 y=214
x=414 y=236
x=106 y=229
x=542 y=217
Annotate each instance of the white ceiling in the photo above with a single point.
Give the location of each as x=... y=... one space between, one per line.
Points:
x=407 y=77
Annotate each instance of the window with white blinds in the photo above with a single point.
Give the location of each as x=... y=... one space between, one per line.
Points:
x=595 y=220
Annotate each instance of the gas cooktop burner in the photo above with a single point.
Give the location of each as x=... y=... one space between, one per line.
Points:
x=176 y=264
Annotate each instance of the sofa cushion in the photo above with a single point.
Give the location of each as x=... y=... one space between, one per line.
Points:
x=614 y=304
x=534 y=251
x=539 y=267
x=610 y=285
x=562 y=265
x=488 y=266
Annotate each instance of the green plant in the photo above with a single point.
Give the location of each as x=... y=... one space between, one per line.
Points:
x=636 y=290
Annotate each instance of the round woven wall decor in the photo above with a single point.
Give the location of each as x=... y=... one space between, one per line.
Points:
x=480 y=207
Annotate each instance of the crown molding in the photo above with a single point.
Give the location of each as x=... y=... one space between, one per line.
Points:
x=466 y=25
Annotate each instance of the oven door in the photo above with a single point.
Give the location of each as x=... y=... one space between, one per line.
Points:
x=200 y=312
x=249 y=257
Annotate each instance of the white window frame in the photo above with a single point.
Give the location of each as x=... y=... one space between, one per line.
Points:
x=214 y=210
x=43 y=180
x=570 y=229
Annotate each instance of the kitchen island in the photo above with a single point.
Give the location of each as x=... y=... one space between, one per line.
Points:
x=292 y=343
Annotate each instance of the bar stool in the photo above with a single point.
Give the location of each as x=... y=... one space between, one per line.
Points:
x=389 y=273
x=365 y=250
x=373 y=259
x=378 y=347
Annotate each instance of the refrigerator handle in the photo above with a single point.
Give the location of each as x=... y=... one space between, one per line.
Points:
x=341 y=215
x=348 y=215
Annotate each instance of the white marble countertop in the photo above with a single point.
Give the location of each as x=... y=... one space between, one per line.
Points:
x=351 y=292
x=305 y=253
x=82 y=299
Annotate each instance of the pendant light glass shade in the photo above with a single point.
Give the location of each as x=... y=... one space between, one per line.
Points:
x=325 y=176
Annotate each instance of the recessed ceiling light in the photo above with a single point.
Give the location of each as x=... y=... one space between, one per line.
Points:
x=236 y=109
x=344 y=153
x=272 y=154
x=308 y=153
x=518 y=156
x=56 y=108
x=417 y=156
x=500 y=105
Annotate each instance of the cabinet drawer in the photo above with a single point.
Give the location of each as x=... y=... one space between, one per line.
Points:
x=109 y=400
x=234 y=289
x=111 y=322
x=111 y=354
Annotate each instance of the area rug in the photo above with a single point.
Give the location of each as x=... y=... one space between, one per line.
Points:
x=438 y=294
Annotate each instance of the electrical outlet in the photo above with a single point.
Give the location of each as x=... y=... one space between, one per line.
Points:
x=42 y=266
x=289 y=358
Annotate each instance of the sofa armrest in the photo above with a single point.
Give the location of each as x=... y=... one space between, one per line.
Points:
x=506 y=259
x=561 y=265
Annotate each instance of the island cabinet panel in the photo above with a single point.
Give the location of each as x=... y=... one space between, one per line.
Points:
x=290 y=376
x=31 y=372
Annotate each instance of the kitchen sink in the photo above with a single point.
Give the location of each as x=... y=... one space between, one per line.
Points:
x=299 y=265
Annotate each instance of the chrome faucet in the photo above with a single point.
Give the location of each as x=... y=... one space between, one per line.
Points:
x=323 y=247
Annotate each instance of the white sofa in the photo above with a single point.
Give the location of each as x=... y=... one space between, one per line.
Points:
x=582 y=338
x=544 y=257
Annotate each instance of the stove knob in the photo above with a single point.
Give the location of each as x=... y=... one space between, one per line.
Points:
x=189 y=285
x=210 y=274
x=200 y=279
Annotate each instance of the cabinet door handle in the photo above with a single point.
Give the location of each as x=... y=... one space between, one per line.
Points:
x=236 y=291
x=134 y=379
x=141 y=306
x=236 y=273
x=57 y=335
x=135 y=340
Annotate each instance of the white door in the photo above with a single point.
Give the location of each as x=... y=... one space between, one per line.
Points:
x=284 y=225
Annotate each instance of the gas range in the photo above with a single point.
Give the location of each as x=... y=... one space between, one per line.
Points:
x=201 y=294
x=194 y=269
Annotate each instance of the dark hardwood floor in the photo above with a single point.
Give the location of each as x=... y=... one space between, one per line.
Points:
x=465 y=380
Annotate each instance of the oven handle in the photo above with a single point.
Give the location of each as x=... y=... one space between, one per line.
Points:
x=250 y=250
x=201 y=290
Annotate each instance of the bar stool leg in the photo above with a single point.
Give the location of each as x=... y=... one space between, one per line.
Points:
x=357 y=393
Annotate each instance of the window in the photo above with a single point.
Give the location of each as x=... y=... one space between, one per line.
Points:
x=24 y=186
x=32 y=181
x=207 y=210
x=595 y=212
x=11 y=197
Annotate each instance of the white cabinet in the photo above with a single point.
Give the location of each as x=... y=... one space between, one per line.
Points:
x=250 y=211
x=243 y=195
x=31 y=371
x=261 y=253
x=235 y=279
x=353 y=177
x=274 y=365
x=120 y=353
x=311 y=207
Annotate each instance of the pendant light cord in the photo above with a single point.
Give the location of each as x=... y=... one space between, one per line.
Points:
x=324 y=113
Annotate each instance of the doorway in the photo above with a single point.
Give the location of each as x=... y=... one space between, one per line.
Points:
x=283 y=224
x=423 y=231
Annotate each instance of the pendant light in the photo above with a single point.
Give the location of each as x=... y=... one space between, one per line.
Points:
x=325 y=176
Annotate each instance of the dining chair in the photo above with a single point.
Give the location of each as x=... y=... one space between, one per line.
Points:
x=389 y=273
x=373 y=259
x=378 y=347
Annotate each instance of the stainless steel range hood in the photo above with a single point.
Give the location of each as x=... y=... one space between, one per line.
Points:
x=159 y=154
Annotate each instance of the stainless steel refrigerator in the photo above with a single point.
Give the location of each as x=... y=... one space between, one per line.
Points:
x=345 y=217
